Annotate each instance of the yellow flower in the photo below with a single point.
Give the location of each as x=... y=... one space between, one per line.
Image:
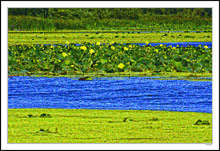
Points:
x=83 y=48
x=112 y=47
x=161 y=45
x=112 y=42
x=130 y=46
x=206 y=47
x=147 y=50
x=147 y=42
x=72 y=66
x=125 y=48
x=64 y=54
x=174 y=48
x=98 y=43
x=67 y=42
x=91 y=51
x=121 y=66
x=156 y=50
x=51 y=46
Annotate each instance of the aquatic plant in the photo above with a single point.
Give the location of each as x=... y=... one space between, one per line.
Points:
x=117 y=57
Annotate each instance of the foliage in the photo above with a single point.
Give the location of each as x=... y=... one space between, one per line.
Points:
x=151 y=19
x=101 y=13
x=69 y=59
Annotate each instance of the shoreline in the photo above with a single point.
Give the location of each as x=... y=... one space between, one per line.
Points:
x=121 y=74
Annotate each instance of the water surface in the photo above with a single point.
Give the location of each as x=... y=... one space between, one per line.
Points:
x=173 y=44
x=134 y=93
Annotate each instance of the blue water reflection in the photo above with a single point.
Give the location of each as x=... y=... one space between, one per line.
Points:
x=173 y=44
x=135 y=93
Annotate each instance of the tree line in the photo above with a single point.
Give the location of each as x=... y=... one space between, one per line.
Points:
x=108 y=13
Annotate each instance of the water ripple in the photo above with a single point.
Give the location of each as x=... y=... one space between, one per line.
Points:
x=134 y=93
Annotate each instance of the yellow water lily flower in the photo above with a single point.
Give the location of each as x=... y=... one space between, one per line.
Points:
x=67 y=42
x=206 y=47
x=72 y=66
x=112 y=48
x=98 y=43
x=83 y=48
x=174 y=48
x=125 y=48
x=91 y=51
x=121 y=66
x=156 y=50
x=112 y=42
x=147 y=42
x=64 y=54
x=161 y=45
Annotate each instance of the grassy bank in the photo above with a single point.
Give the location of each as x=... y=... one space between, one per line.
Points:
x=150 y=22
x=160 y=75
x=107 y=126
x=62 y=38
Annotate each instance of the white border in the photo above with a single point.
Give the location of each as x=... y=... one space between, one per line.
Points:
x=108 y=4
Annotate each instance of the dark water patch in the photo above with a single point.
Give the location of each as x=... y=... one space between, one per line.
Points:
x=134 y=93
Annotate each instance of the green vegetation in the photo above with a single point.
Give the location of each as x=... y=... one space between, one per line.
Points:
x=121 y=75
x=108 y=126
x=61 y=38
x=28 y=58
x=111 y=58
x=31 y=28
x=150 y=19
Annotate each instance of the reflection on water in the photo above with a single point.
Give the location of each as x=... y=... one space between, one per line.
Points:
x=173 y=44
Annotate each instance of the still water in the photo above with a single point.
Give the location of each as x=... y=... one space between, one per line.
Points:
x=173 y=44
x=134 y=93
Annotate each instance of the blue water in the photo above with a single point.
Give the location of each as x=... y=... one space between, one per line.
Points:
x=173 y=44
x=181 y=44
x=135 y=93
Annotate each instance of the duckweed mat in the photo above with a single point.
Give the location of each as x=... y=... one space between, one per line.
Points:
x=107 y=126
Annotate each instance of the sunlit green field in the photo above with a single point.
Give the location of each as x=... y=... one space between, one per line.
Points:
x=61 y=38
x=107 y=126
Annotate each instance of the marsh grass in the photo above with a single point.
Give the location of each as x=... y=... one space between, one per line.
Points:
x=61 y=38
x=107 y=126
x=150 y=23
